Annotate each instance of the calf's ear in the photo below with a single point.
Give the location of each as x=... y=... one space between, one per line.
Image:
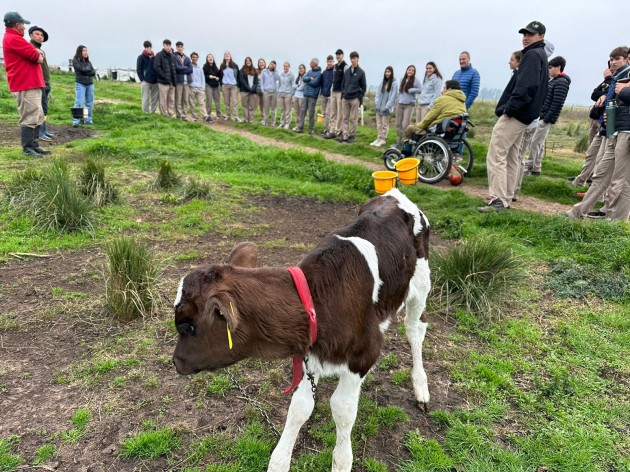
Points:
x=244 y=255
x=226 y=306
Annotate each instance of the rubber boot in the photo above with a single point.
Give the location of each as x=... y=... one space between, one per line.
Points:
x=27 y=142
x=43 y=135
x=38 y=149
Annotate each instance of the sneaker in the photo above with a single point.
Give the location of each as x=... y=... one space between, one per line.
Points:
x=75 y=125
x=597 y=215
x=457 y=158
x=298 y=130
x=340 y=139
x=350 y=139
x=375 y=142
x=495 y=205
x=330 y=135
x=515 y=198
x=209 y=120
x=195 y=120
x=237 y=120
x=183 y=118
x=580 y=194
x=31 y=153
x=533 y=172
x=571 y=179
x=286 y=126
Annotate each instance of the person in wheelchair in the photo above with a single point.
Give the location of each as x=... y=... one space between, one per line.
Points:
x=451 y=103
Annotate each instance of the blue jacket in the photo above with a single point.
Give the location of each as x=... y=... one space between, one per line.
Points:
x=312 y=82
x=183 y=67
x=469 y=79
x=144 y=68
x=327 y=81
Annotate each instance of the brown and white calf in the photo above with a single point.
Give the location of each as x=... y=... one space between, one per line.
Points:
x=359 y=276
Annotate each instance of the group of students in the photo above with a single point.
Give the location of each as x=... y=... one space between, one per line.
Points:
x=179 y=85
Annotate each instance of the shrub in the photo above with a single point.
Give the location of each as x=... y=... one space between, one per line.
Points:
x=94 y=185
x=199 y=189
x=478 y=275
x=131 y=278
x=166 y=177
x=582 y=144
x=51 y=199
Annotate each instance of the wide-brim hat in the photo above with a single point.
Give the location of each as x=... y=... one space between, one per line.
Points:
x=37 y=28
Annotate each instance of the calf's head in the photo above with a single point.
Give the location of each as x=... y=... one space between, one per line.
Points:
x=211 y=335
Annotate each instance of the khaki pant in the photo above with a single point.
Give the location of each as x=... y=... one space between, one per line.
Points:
x=197 y=96
x=403 y=118
x=382 y=126
x=503 y=158
x=150 y=97
x=601 y=180
x=350 y=109
x=593 y=155
x=525 y=142
x=284 y=103
x=182 y=91
x=230 y=98
x=618 y=198
x=593 y=130
x=213 y=95
x=325 y=103
x=537 y=146
x=270 y=103
x=298 y=103
x=29 y=105
x=249 y=101
x=421 y=111
x=335 y=112
x=167 y=99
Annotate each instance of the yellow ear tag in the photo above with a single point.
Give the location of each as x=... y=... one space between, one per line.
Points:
x=228 y=327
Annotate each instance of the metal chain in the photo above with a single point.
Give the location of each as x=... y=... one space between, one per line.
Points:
x=255 y=403
x=307 y=429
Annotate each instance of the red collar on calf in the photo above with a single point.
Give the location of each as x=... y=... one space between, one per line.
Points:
x=305 y=295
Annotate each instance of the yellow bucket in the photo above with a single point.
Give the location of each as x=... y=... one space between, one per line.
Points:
x=384 y=180
x=408 y=170
x=320 y=118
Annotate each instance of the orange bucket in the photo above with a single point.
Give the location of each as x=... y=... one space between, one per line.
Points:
x=408 y=170
x=384 y=180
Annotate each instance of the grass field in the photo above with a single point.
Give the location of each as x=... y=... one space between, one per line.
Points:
x=543 y=385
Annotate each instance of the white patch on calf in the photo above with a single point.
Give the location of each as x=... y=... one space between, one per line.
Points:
x=180 y=288
x=419 y=220
x=367 y=249
x=384 y=325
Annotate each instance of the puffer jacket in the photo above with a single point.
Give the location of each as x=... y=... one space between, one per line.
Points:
x=449 y=105
x=554 y=100
x=623 y=112
x=164 y=68
x=83 y=71
x=312 y=82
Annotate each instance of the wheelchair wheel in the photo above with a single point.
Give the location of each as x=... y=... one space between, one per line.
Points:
x=465 y=161
x=390 y=157
x=435 y=159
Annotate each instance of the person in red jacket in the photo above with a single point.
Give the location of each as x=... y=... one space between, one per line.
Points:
x=26 y=81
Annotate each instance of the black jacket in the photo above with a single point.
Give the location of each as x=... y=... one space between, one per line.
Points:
x=554 y=100
x=211 y=70
x=623 y=112
x=144 y=68
x=164 y=68
x=601 y=89
x=243 y=83
x=524 y=95
x=83 y=72
x=354 y=84
x=338 y=76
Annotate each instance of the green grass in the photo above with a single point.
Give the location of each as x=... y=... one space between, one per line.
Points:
x=44 y=454
x=150 y=444
x=8 y=460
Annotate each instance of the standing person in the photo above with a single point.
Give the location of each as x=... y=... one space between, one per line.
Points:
x=384 y=104
x=335 y=97
x=269 y=81
x=229 y=81
x=298 y=94
x=431 y=89
x=262 y=65
x=84 y=84
x=38 y=37
x=327 y=81
x=519 y=105
x=312 y=85
x=248 y=83
x=165 y=73
x=468 y=77
x=198 y=90
x=285 y=95
x=183 y=69
x=409 y=87
x=352 y=92
x=211 y=75
x=148 y=79
x=24 y=74
x=554 y=101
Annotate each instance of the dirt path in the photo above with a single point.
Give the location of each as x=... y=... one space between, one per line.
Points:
x=524 y=202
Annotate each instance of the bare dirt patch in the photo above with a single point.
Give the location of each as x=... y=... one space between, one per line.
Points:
x=10 y=134
x=55 y=333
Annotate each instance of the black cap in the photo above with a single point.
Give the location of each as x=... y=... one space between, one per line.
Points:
x=37 y=28
x=534 y=27
x=15 y=17
x=338 y=51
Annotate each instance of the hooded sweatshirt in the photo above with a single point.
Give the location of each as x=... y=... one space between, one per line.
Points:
x=449 y=105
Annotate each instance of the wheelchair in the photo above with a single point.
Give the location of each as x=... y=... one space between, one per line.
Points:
x=437 y=150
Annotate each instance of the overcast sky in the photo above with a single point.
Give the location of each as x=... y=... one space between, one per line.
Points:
x=386 y=32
